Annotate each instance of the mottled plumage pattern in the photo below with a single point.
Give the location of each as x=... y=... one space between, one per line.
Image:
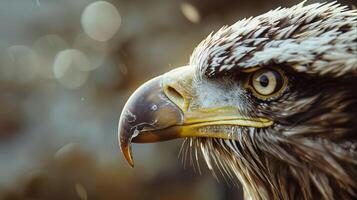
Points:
x=317 y=38
x=311 y=150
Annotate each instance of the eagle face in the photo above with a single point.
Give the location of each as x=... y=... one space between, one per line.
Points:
x=269 y=101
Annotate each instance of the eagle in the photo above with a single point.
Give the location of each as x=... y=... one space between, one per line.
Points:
x=270 y=101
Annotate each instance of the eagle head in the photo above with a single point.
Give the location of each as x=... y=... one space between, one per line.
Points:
x=270 y=101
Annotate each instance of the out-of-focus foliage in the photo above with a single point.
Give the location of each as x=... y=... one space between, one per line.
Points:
x=66 y=69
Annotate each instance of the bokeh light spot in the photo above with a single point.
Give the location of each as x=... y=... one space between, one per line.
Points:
x=71 y=68
x=93 y=49
x=47 y=47
x=100 y=20
x=190 y=12
x=20 y=64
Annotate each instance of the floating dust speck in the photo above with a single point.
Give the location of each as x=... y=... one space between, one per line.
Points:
x=190 y=12
x=123 y=69
x=100 y=20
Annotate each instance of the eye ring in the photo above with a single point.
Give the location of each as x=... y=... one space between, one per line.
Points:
x=267 y=83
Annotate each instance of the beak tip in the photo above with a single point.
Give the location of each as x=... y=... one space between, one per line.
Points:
x=124 y=137
x=131 y=163
x=126 y=150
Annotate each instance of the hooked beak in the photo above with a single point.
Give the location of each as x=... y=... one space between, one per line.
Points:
x=160 y=110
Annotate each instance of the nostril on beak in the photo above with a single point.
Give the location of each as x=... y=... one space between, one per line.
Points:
x=176 y=97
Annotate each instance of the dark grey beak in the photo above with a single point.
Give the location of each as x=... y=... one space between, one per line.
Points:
x=148 y=112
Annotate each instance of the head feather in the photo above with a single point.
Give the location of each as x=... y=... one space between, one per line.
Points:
x=320 y=38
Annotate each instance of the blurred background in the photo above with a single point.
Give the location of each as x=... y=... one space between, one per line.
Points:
x=66 y=69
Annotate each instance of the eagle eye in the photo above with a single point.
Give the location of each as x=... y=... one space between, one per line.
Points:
x=267 y=83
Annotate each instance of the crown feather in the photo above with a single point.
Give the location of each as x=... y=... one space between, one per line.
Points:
x=319 y=38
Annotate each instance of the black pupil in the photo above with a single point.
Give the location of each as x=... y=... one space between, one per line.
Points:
x=263 y=80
